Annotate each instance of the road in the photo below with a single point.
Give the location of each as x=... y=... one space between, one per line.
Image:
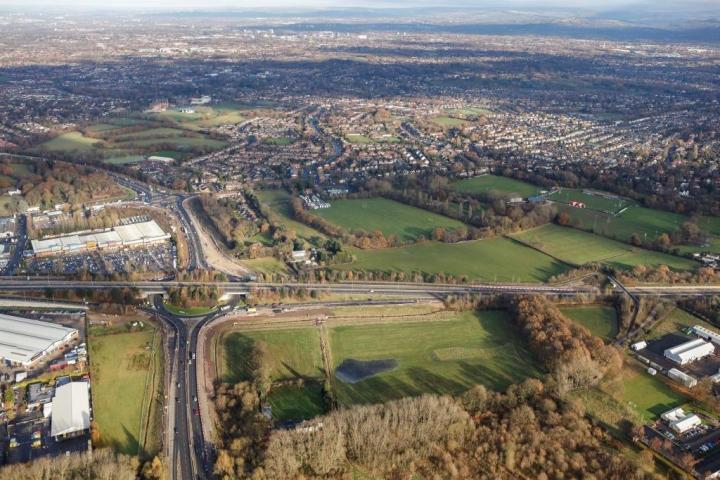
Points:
x=19 y=247
x=188 y=455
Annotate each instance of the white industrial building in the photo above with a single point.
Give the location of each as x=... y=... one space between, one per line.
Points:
x=681 y=421
x=24 y=341
x=682 y=377
x=690 y=351
x=131 y=235
x=70 y=410
x=707 y=334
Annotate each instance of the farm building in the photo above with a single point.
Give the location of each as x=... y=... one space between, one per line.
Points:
x=131 y=235
x=707 y=334
x=679 y=420
x=70 y=410
x=682 y=377
x=639 y=345
x=690 y=351
x=24 y=341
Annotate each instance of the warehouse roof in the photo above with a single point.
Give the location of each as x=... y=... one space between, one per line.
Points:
x=23 y=339
x=70 y=409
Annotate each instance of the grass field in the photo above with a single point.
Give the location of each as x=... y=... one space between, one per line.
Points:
x=500 y=185
x=278 y=202
x=595 y=202
x=358 y=139
x=70 y=142
x=388 y=216
x=294 y=353
x=265 y=265
x=153 y=136
x=647 y=395
x=432 y=356
x=445 y=121
x=120 y=366
x=676 y=321
x=176 y=310
x=601 y=320
x=290 y=402
x=495 y=259
x=578 y=247
x=469 y=111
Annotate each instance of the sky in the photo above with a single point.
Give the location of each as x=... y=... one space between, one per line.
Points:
x=302 y=4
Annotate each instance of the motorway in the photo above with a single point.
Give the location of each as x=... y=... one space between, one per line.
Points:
x=241 y=287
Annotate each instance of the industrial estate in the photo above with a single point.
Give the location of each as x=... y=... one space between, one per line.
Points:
x=475 y=241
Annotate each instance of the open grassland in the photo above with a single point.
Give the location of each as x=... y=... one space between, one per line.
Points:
x=594 y=202
x=647 y=395
x=278 y=202
x=265 y=265
x=293 y=353
x=446 y=356
x=121 y=367
x=601 y=320
x=445 y=121
x=500 y=185
x=469 y=111
x=676 y=321
x=70 y=142
x=390 y=217
x=578 y=247
x=115 y=141
x=491 y=260
x=290 y=402
x=358 y=139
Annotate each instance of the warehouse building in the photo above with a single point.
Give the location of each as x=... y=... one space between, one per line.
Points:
x=707 y=334
x=70 y=410
x=680 y=421
x=121 y=236
x=682 y=377
x=690 y=351
x=24 y=341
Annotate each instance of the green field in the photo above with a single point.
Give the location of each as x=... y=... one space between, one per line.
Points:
x=445 y=121
x=265 y=265
x=120 y=367
x=433 y=356
x=499 y=185
x=294 y=353
x=676 y=321
x=647 y=395
x=601 y=320
x=493 y=260
x=70 y=142
x=115 y=143
x=390 y=217
x=594 y=202
x=278 y=202
x=187 y=311
x=358 y=139
x=578 y=247
x=470 y=111
x=290 y=402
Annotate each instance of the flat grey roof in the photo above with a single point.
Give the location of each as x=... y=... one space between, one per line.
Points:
x=21 y=339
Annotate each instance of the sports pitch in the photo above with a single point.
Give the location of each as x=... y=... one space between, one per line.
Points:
x=578 y=247
x=593 y=201
x=390 y=217
x=491 y=260
x=493 y=183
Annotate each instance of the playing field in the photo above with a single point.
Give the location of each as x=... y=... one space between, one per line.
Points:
x=500 y=185
x=601 y=320
x=293 y=353
x=121 y=368
x=433 y=356
x=390 y=217
x=358 y=139
x=578 y=247
x=203 y=117
x=647 y=395
x=592 y=201
x=70 y=142
x=469 y=111
x=491 y=260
